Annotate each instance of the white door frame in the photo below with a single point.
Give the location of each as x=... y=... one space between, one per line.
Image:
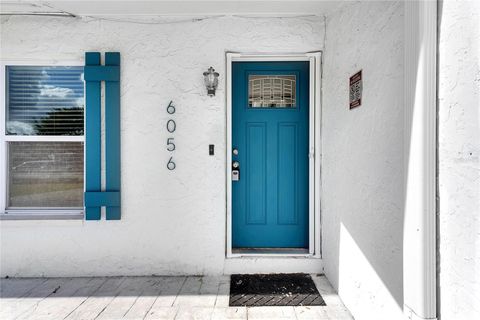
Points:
x=315 y=59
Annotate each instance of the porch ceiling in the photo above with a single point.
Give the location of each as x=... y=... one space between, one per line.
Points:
x=173 y=8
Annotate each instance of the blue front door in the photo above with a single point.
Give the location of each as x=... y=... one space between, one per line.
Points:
x=270 y=141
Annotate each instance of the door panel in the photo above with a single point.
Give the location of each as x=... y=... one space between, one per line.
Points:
x=256 y=162
x=270 y=130
x=287 y=173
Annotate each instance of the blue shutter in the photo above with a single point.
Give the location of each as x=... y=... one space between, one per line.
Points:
x=94 y=73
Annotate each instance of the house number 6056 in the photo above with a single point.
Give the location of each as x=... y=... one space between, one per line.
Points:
x=171 y=127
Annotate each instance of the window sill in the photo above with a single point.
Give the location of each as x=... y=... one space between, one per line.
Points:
x=42 y=215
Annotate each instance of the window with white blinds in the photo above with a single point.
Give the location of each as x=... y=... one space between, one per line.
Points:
x=44 y=100
x=44 y=127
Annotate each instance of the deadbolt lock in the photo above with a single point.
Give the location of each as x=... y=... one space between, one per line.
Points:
x=235 y=175
x=235 y=171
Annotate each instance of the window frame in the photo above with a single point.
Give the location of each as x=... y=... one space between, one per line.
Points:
x=57 y=213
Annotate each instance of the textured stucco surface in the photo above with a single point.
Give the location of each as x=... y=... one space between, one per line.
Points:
x=459 y=160
x=173 y=222
x=362 y=208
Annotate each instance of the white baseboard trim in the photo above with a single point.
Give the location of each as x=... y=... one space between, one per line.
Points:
x=273 y=265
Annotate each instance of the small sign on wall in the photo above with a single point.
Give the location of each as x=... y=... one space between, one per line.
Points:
x=356 y=90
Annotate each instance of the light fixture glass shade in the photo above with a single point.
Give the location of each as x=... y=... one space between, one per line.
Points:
x=211 y=80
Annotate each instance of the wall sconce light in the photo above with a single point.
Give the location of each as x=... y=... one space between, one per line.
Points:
x=211 y=81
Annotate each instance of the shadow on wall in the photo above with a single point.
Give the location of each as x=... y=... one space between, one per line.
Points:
x=365 y=193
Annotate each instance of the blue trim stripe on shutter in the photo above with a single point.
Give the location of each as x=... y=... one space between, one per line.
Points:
x=112 y=134
x=94 y=197
x=92 y=135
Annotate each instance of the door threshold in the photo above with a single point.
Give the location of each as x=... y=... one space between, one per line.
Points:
x=271 y=251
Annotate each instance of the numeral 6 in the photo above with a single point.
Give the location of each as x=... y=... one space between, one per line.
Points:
x=171 y=165
x=171 y=108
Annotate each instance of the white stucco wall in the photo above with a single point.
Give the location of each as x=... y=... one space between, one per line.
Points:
x=172 y=222
x=459 y=160
x=362 y=207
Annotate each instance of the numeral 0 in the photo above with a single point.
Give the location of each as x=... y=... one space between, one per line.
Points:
x=171 y=126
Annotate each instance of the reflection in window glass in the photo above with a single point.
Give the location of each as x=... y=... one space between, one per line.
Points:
x=45 y=174
x=271 y=91
x=44 y=100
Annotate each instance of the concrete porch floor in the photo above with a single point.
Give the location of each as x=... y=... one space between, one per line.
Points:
x=191 y=297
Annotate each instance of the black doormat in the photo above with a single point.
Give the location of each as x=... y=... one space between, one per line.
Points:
x=273 y=290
